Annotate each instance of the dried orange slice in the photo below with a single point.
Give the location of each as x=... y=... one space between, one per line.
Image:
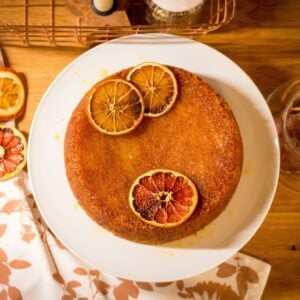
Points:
x=158 y=86
x=12 y=94
x=115 y=107
x=12 y=152
x=163 y=198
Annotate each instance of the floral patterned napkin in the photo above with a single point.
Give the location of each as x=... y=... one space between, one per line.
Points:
x=35 y=265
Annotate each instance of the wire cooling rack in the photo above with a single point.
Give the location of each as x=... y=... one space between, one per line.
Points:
x=51 y=23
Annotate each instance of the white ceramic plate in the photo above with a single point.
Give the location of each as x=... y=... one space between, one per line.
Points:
x=211 y=246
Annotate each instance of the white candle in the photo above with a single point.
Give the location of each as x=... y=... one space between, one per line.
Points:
x=103 y=5
x=178 y=5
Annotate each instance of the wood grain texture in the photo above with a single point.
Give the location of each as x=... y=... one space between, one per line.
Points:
x=264 y=39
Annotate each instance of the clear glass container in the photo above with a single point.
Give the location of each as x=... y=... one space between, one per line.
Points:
x=171 y=13
x=284 y=103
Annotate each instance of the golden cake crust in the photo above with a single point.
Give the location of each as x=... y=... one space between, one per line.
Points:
x=198 y=137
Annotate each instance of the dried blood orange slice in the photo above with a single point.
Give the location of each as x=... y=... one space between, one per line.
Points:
x=12 y=94
x=115 y=107
x=158 y=86
x=12 y=152
x=163 y=198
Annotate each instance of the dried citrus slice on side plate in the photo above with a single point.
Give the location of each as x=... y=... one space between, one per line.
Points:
x=12 y=152
x=115 y=107
x=163 y=198
x=12 y=94
x=158 y=86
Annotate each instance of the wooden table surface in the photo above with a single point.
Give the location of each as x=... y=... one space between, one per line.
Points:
x=264 y=39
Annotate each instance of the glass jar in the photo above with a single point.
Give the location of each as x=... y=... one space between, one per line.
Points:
x=171 y=12
x=284 y=103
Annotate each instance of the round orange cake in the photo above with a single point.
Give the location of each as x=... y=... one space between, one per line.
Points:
x=198 y=137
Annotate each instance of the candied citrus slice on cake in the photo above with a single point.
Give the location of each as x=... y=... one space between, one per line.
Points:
x=12 y=94
x=158 y=86
x=115 y=107
x=163 y=198
x=12 y=152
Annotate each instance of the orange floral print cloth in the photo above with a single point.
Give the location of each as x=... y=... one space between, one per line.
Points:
x=35 y=265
